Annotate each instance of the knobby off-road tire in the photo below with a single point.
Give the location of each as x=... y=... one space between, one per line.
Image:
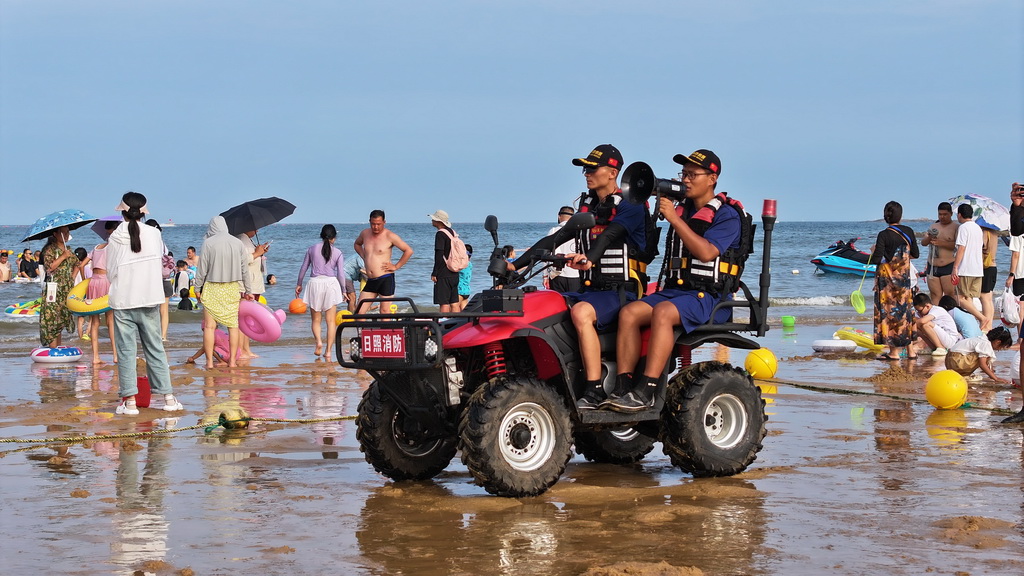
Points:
x=613 y=446
x=713 y=421
x=380 y=429
x=515 y=436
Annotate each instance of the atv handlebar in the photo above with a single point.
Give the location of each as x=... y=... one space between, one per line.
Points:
x=522 y=270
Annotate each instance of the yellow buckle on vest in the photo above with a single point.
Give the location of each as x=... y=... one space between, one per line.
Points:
x=637 y=265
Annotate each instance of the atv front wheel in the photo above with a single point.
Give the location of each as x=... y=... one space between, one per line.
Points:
x=614 y=446
x=713 y=421
x=515 y=436
x=394 y=445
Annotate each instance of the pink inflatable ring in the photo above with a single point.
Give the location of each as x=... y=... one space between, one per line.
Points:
x=258 y=322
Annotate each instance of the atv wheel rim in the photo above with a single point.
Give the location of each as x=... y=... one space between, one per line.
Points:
x=527 y=436
x=408 y=445
x=725 y=421
x=624 y=434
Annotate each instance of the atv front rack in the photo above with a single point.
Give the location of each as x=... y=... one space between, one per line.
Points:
x=401 y=341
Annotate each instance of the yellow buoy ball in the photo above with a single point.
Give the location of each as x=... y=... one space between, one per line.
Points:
x=297 y=306
x=342 y=317
x=234 y=418
x=946 y=390
x=761 y=363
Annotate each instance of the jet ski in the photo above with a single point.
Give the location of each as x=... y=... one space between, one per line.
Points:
x=844 y=258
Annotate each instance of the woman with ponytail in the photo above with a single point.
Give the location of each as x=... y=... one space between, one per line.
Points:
x=327 y=276
x=135 y=272
x=222 y=265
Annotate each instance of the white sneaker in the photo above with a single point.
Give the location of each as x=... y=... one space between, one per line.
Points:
x=939 y=352
x=127 y=409
x=171 y=403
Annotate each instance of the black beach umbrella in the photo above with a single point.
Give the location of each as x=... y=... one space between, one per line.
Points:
x=256 y=214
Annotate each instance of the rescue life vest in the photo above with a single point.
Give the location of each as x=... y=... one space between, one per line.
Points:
x=720 y=276
x=612 y=269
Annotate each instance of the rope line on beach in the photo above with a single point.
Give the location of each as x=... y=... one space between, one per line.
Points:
x=849 y=392
x=222 y=420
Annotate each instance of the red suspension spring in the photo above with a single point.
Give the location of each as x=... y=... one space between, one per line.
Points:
x=684 y=358
x=494 y=360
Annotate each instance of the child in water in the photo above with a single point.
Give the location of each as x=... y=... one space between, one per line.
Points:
x=186 y=302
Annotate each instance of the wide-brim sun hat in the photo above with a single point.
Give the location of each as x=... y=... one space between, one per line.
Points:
x=441 y=216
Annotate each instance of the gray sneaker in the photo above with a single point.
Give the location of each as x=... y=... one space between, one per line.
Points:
x=628 y=403
x=589 y=401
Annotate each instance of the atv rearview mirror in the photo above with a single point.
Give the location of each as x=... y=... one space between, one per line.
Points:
x=491 y=225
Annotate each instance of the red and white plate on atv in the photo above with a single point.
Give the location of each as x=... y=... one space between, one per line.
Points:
x=382 y=342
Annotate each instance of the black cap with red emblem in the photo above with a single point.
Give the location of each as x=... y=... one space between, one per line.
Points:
x=703 y=158
x=603 y=155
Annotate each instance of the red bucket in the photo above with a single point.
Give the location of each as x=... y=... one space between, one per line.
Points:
x=144 y=394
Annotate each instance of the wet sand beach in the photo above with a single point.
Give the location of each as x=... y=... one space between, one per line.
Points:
x=865 y=479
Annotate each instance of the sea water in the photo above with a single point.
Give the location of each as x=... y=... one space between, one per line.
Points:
x=797 y=289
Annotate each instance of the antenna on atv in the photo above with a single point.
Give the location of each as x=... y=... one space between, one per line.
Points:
x=768 y=216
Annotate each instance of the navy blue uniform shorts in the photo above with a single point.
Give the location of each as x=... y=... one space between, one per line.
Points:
x=605 y=302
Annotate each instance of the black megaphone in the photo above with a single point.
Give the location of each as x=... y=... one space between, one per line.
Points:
x=639 y=182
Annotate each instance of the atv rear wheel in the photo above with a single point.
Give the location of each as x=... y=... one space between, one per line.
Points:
x=515 y=436
x=615 y=446
x=391 y=443
x=713 y=421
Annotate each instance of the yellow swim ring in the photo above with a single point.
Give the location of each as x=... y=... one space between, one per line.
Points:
x=859 y=337
x=77 y=303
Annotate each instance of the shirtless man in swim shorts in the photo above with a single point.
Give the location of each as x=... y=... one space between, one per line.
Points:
x=375 y=245
x=941 y=240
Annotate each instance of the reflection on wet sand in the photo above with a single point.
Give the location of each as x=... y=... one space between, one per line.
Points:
x=424 y=529
x=57 y=382
x=845 y=484
x=892 y=427
x=140 y=526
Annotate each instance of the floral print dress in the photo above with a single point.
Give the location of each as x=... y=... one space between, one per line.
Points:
x=894 y=297
x=54 y=317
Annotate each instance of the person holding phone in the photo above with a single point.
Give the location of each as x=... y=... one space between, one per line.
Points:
x=1015 y=278
x=941 y=243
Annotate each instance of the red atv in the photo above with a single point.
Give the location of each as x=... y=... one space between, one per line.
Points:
x=499 y=382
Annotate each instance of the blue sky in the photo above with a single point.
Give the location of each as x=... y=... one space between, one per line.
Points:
x=477 y=107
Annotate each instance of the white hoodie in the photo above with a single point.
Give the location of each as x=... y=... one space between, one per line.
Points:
x=136 y=279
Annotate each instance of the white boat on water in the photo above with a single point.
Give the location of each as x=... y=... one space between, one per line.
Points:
x=170 y=224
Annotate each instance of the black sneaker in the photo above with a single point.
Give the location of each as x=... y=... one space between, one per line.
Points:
x=1015 y=419
x=589 y=401
x=629 y=403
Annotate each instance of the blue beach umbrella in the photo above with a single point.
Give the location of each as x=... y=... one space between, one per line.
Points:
x=44 y=226
x=987 y=212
